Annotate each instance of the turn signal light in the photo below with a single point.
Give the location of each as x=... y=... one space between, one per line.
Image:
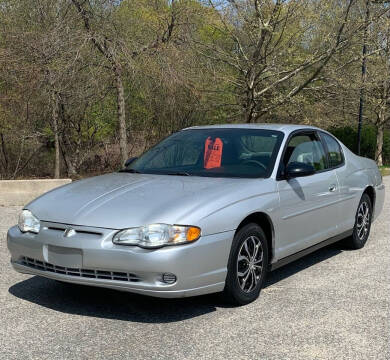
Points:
x=193 y=233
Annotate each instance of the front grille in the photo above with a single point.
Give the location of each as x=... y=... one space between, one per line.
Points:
x=62 y=229
x=76 y=272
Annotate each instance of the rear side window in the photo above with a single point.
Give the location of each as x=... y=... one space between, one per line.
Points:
x=335 y=154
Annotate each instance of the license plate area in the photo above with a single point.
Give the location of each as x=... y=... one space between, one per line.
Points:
x=66 y=257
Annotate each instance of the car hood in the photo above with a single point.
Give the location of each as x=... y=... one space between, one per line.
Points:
x=121 y=200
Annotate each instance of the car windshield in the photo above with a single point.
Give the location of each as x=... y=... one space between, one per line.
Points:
x=212 y=152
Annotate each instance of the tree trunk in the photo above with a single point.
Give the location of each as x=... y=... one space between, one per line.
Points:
x=121 y=113
x=249 y=108
x=56 y=136
x=70 y=168
x=72 y=172
x=5 y=155
x=379 y=139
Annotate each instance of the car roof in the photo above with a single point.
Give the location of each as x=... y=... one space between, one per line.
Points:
x=286 y=128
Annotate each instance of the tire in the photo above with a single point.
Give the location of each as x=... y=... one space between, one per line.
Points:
x=246 y=276
x=361 y=229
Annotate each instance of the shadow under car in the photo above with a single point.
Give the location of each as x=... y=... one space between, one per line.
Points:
x=112 y=304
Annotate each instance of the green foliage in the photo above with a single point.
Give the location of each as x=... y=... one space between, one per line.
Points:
x=101 y=117
x=210 y=67
x=348 y=136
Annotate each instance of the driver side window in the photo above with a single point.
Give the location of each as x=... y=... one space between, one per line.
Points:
x=305 y=148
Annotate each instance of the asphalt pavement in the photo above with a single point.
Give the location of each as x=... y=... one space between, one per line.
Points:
x=333 y=304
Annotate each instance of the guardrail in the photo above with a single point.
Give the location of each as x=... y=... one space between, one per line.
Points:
x=20 y=192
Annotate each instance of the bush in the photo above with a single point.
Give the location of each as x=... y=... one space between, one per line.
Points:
x=348 y=136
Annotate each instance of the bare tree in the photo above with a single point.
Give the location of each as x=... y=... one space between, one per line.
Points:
x=116 y=51
x=277 y=48
x=378 y=79
x=85 y=83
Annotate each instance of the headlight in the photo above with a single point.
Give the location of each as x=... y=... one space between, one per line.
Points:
x=28 y=222
x=157 y=235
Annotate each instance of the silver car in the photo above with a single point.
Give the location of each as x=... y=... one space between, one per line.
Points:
x=208 y=209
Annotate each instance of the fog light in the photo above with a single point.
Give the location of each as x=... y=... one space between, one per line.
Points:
x=169 y=278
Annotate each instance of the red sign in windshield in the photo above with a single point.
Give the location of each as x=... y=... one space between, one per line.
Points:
x=212 y=153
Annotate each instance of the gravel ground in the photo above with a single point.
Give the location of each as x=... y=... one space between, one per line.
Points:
x=333 y=304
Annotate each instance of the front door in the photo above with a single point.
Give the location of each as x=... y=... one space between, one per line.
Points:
x=308 y=205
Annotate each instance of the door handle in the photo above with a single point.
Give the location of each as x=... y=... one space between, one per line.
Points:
x=332 y=188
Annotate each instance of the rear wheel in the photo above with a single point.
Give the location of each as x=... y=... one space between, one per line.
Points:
x=247 y=266
x=361 y=230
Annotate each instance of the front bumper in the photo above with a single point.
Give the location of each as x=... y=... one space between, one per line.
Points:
x=90 y=258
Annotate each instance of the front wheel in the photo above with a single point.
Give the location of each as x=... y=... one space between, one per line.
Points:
x=362 y=227
x=247 y=266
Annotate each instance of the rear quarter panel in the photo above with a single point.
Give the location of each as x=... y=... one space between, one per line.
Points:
x=354 y=177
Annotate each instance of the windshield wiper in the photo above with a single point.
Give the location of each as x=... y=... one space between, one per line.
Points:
x=132 y=171
x=179 y=173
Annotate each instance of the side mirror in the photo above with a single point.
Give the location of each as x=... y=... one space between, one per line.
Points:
x=298 y=169
x=130 y=160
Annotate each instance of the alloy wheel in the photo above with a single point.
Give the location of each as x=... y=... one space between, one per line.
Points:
x=250 y=264
x=363 y=220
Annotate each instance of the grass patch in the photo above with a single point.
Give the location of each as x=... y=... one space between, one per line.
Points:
x=385 y=170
